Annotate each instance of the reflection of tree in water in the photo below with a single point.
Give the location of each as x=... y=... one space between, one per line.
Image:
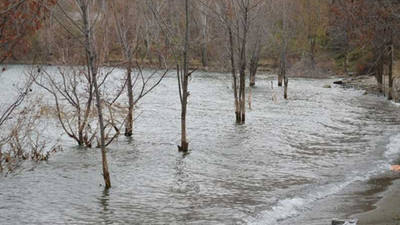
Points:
x=105 y=212
x=184 y=182
x=186 y=189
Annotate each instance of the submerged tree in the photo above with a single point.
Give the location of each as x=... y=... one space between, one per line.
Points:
x=235 y=18
x=283 y=60
x=183 y=81
x=178 y=39
x=81 y=26
x=18 y=137
x=284 y=32
x=133 y=29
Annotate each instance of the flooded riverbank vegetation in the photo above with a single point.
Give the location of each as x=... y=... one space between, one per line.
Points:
x=85 y=72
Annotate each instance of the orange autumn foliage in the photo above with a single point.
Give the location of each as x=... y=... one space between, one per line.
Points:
x=19 y=19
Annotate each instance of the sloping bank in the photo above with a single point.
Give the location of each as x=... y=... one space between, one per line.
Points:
x=370 y=85
x=386 y=211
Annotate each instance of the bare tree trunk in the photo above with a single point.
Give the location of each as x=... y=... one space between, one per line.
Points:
x=106 y=174
x=243 y=65
x=129 y=118
x=378 y=71
x=390 y=93
x=253 y=67
x=345 y=60
x=284 y=50
x=311 y=25
x=234 y=76
x=283 y=70
x=184 y=144
x=312 y=51
x=204 y=25
x=380 y=74
x=204 y=59
x=242 y=94
x=280 y=76
x=92 y=57
x=286 y=82
x=249 y=97
x=1 y=158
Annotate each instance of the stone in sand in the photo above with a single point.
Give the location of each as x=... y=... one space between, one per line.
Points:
x=344 y=222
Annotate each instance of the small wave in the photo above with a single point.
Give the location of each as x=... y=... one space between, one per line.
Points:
x=292 y=207
x=284 y=209
x=393 y=147
x=289 y=208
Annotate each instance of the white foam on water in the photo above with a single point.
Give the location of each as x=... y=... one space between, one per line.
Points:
x=395 y=103
x=292 y=207
x=393 y=147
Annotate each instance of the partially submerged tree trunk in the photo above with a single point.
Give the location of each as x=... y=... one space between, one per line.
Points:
x=129 y=117
x=234 y=75
x=204 y=26
x=283 y=72
x=255 y=57
x=249 y=97
x=286 y=81
x=243 y=65
x=92 y=63
x=185 y=82
x=254 y=66
x=133 y=33
x=106 y=174
x=1 y=159
x=283 y=56
x=280 y=76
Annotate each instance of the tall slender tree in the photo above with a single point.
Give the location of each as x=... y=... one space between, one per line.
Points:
x=183 y=80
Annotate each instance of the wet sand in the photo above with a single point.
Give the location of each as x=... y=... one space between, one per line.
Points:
x=387 y=211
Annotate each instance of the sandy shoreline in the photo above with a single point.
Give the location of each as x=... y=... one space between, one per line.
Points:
x=387 y=211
